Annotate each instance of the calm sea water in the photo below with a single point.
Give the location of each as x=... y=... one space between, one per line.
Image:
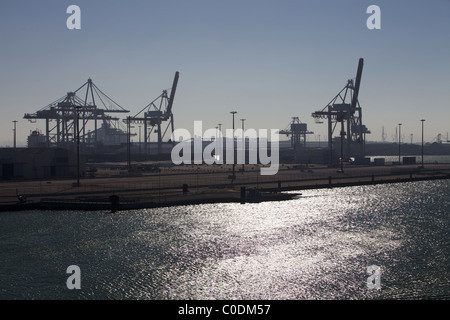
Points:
x=318 y=246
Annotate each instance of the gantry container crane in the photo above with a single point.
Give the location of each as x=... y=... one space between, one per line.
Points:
x=154 y=114
x=73 y=108
x=297 y=131
x=345 y=109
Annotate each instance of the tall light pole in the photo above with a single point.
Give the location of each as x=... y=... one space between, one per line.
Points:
x=243 y=141
x=139 y=139
x=423 y=120
x=216 y=140
x=399 y=140
x=341 y=170
x=220 y=142
x=77 y=132
x=233 y=113
x=14 y=130
x=129 y=143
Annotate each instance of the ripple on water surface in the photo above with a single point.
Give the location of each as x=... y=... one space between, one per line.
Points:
x=317 y=246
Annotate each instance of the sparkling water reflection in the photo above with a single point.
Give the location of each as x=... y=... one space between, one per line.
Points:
x=315 y=247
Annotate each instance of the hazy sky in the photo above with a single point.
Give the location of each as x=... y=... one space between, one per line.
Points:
x=267 y=60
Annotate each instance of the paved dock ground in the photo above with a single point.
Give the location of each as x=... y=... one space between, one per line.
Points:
x=204 y=181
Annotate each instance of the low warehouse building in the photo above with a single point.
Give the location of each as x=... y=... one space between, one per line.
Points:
x=38 y=163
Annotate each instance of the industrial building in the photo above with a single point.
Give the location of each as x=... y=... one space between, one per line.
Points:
x=38 y=163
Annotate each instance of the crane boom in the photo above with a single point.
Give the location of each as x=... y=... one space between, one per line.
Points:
x=172 y=93
x=357 y=83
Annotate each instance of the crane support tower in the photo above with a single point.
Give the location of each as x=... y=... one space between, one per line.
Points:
x=67 y=118
x=345 y=109
x=154 y=114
